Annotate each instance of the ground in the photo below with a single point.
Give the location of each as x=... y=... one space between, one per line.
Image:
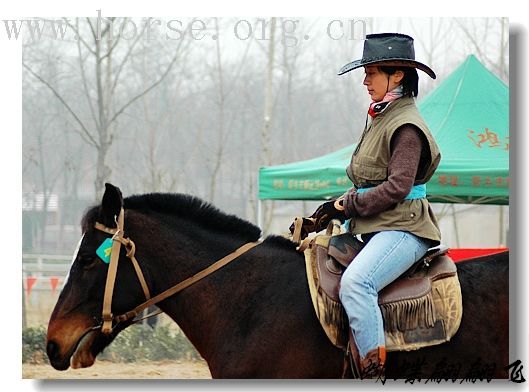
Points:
x=109 y=370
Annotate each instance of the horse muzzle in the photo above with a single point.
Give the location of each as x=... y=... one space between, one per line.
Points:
x=71 y=343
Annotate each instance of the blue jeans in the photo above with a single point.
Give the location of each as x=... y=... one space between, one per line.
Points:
x=383 y=259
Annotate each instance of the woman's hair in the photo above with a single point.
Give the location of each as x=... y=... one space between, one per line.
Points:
x=410 y=81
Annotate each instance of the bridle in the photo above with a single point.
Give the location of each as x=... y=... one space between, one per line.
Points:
x=118 y=239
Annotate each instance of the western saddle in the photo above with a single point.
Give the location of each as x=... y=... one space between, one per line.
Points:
x=423 y=307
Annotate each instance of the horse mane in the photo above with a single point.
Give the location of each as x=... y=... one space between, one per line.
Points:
x=186 y=207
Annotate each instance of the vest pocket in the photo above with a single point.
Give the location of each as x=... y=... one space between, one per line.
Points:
x=367 y=168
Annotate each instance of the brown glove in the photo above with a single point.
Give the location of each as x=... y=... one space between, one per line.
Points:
x=328 y=211
x=318 y=221
x=308 y=226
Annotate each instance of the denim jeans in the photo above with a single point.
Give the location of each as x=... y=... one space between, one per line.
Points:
x=383 y=259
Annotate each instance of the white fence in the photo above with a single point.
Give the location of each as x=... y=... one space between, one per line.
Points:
x=42 y=272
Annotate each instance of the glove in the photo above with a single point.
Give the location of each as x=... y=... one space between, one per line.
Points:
x=327 y=212
x=308 y=226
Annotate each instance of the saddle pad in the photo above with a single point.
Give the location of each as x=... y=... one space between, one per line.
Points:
x=428 y=317
x=330 y=313
x=448 y=311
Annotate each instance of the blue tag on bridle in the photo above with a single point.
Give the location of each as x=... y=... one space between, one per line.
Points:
x=104 y=250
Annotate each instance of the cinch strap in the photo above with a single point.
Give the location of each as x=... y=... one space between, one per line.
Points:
x=417 y=192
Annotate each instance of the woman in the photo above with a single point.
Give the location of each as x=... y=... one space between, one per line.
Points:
x=395 y=157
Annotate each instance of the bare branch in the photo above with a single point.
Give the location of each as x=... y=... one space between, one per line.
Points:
x=239 y=68
x=166 y=72
x=116 y=41
x=60 y=98
x=120 y=68
x=78 y=35
x=471 y=38
x=94 y=35
x=83 y=77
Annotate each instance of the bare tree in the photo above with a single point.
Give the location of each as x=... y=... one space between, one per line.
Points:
x=267 y=118
x=100 y=48
x=159 y=119
x=48 y=172
x=430 y=40
x=489 y=39
x=219 y=154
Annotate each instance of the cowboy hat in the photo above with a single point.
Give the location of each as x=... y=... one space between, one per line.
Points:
x=389 y=49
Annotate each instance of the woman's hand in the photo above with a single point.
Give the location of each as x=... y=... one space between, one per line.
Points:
x=320 y=219
x=308 y=226
x=328 y=211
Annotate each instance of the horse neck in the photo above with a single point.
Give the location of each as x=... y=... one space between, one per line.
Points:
x=172 y=255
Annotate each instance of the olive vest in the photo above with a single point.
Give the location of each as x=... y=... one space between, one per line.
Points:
x=369 y=167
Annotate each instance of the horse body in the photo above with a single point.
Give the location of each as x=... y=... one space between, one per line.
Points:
x=236 y=317
x=254 y=317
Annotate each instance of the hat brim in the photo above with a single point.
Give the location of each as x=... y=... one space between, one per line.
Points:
x=390 y=62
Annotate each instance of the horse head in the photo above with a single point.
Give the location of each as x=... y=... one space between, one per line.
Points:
x=74 y=334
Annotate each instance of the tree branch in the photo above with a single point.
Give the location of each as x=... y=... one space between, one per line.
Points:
x=116 y=41
x=59 y=97
x=92 y=29
x=83 y=77
x=79 y=37
x=166 y=72
x=120 y=68
x=471 y=38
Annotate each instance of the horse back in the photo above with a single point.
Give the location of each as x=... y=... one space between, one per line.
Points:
x=481 y=345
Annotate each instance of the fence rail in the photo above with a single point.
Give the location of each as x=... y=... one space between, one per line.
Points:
x=44 y=272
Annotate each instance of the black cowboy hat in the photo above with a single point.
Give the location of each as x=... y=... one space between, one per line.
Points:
x=391 y=49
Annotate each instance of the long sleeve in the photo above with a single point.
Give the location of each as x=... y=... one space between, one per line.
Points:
x=406 y=146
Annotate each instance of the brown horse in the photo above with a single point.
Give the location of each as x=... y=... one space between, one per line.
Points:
x=254 y=317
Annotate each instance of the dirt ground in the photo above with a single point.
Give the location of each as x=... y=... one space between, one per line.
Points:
x=109 y=370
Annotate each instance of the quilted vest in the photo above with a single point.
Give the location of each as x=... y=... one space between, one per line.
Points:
x=369 y=167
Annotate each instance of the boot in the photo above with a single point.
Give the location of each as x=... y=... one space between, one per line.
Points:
x=372 y=365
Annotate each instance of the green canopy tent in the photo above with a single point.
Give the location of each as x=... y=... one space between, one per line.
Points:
x=468 y=113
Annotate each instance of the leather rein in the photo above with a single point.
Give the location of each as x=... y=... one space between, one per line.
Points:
x=118 y=239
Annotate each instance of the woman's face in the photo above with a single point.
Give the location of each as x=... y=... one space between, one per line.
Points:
x=379 y=83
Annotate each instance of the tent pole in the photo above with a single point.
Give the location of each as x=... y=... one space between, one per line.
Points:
x=454 y=220
x=259 y=213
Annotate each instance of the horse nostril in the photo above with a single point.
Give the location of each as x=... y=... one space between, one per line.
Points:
x=52 y=349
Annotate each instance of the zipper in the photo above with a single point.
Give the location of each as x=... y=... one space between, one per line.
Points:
x=366 y=129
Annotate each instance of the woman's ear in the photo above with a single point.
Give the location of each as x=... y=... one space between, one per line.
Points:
x=398 y=76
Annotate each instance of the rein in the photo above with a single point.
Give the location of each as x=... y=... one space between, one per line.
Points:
x=117 y=240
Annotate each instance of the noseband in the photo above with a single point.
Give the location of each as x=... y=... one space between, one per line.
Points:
x=118 y=239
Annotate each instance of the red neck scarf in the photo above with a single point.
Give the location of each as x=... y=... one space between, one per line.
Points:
x=375 y=108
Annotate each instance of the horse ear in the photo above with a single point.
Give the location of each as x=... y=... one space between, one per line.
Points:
x=111 y=204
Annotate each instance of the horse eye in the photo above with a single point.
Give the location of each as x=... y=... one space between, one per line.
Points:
x=87 y=259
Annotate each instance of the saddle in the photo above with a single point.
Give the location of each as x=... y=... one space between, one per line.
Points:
x=423 y=307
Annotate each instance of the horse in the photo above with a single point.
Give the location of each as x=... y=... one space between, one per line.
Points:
x=253 y=318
